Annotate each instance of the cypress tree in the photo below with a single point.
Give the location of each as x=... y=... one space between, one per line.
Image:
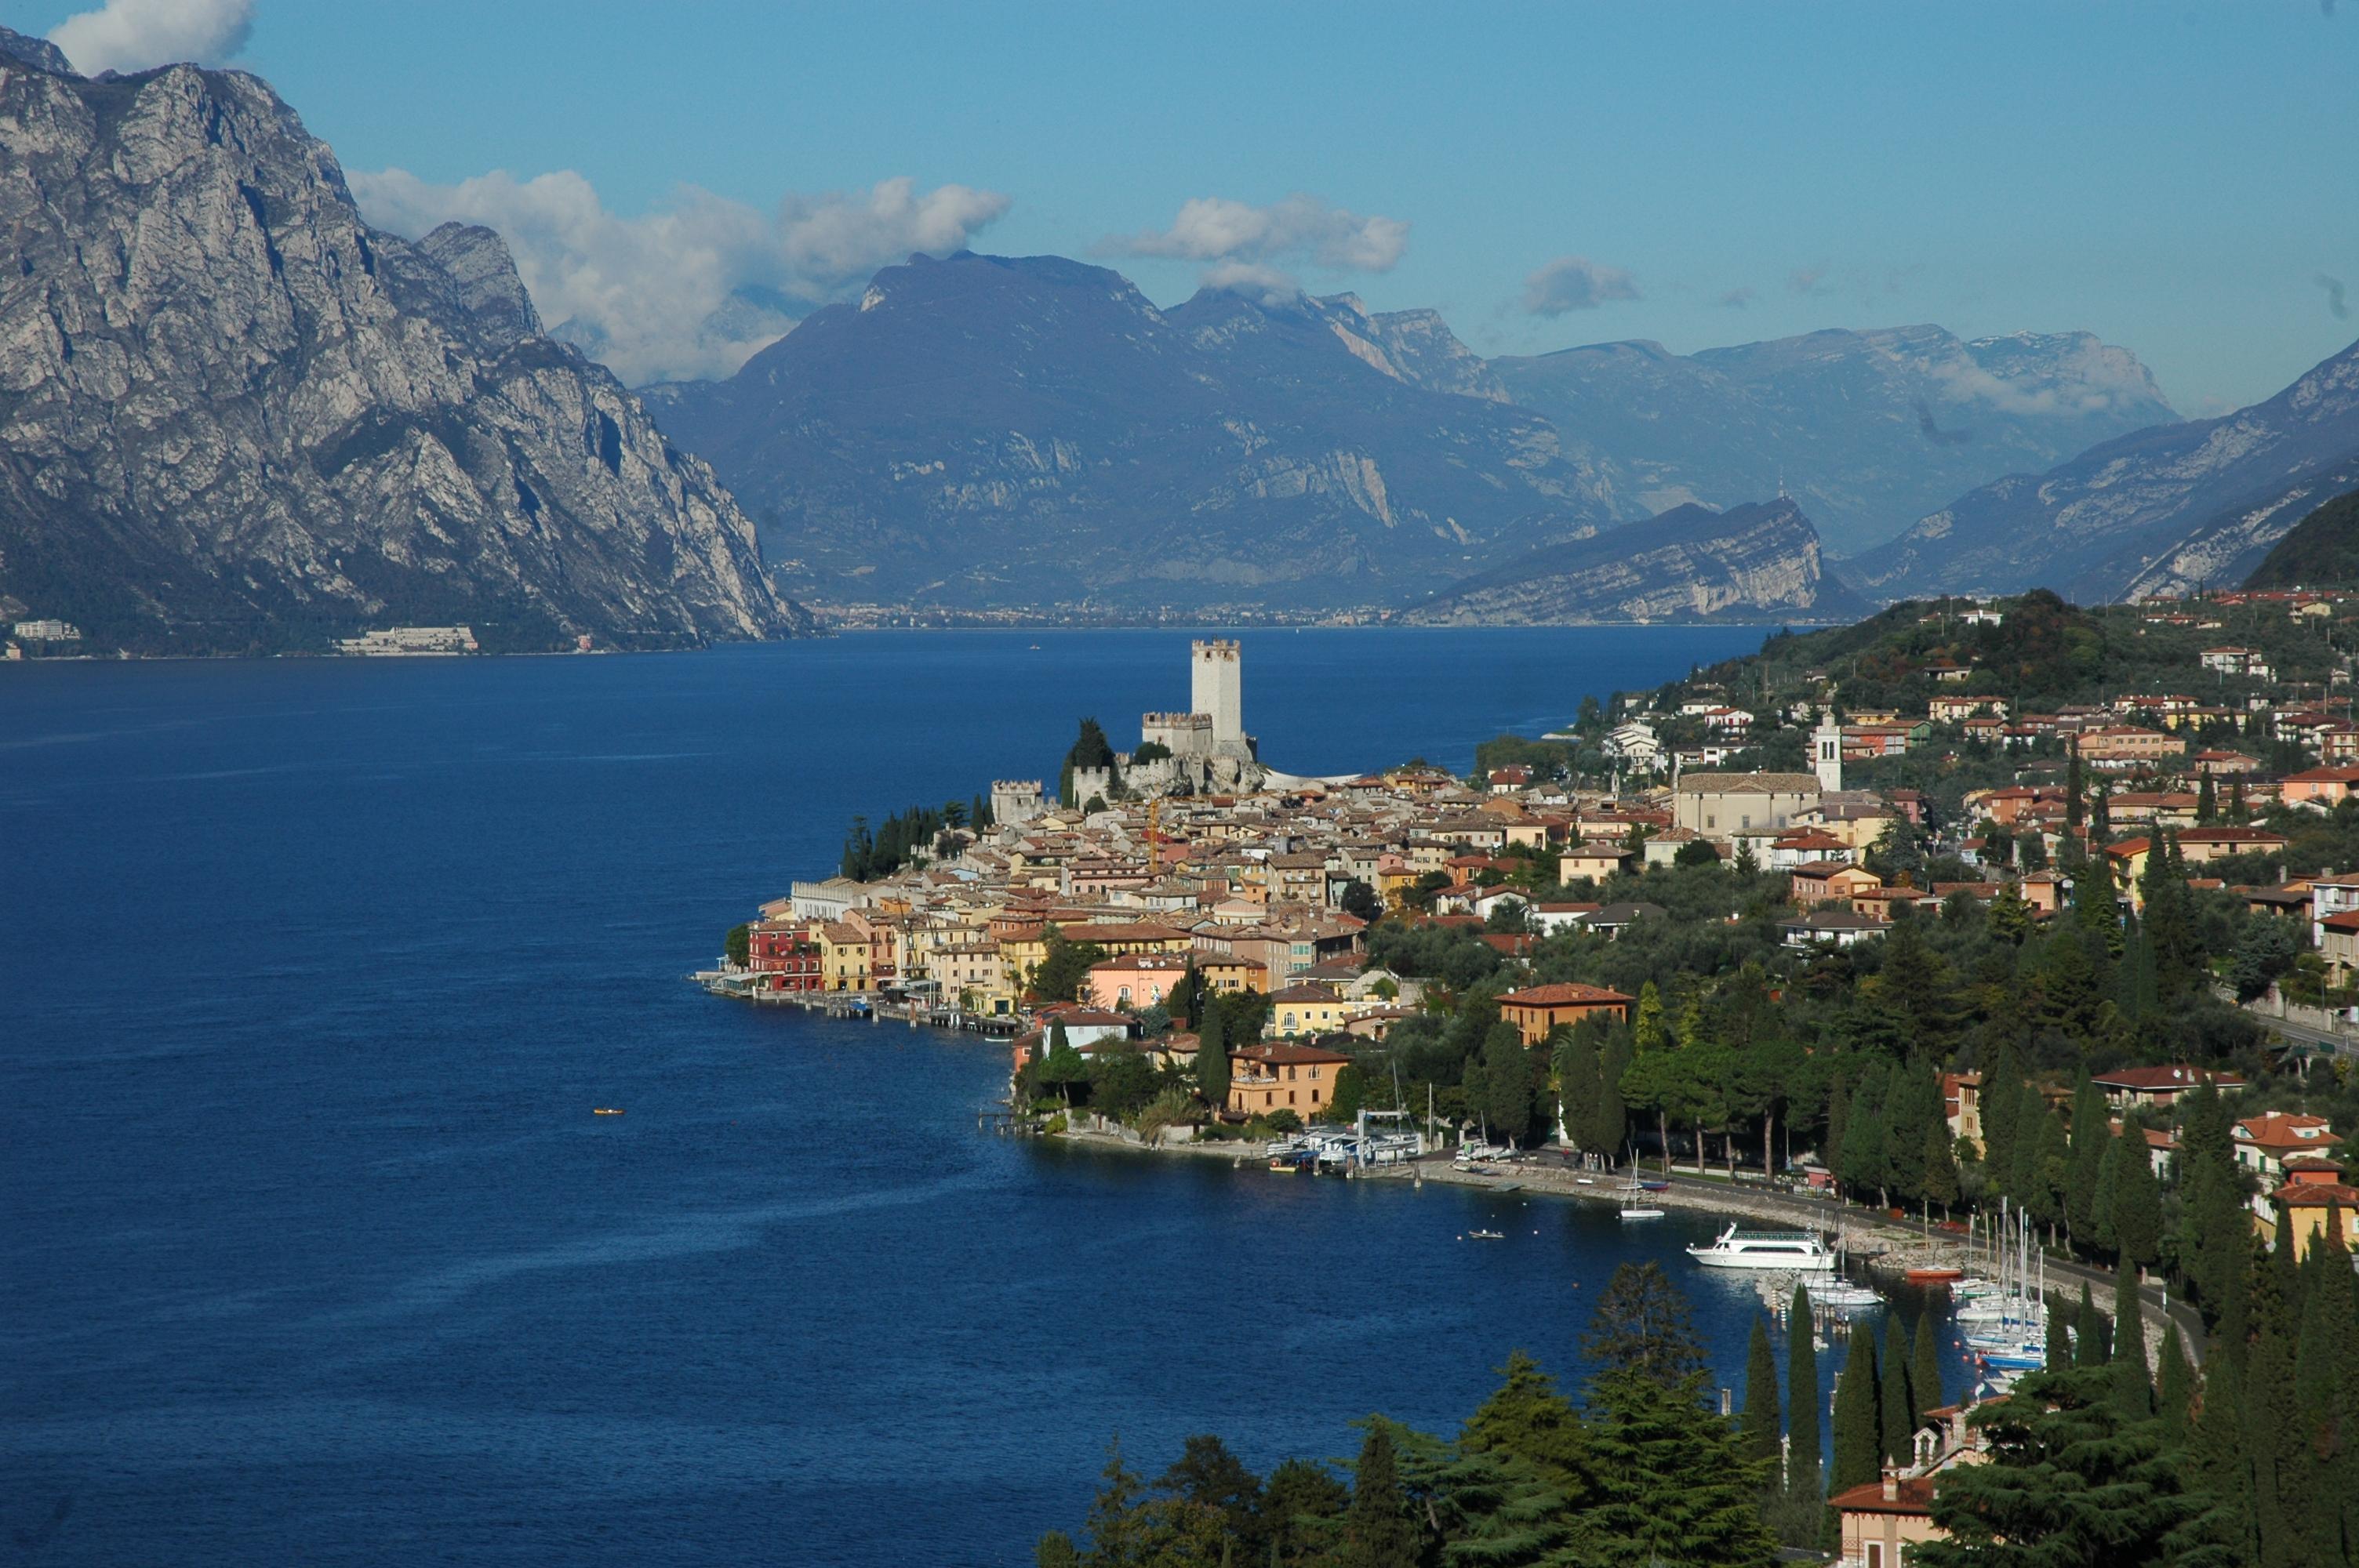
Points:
x=2177 y=1393
x=2002 y=1098
x=2133 y=1395
x=1897 y=1414
x=2091 y=1346
x=2279 y=1452
x=1377 y=1532
x=2207 y=804
x=1579 y=1083
x=2136 y=1200
x=2091 y=1139
x=1805 y=1456
x=1859 y=1440
x=2100 y=1236
x=1760 y=1425
x=1925 y=1370
x=2059 y=1336
x=1212 y=1053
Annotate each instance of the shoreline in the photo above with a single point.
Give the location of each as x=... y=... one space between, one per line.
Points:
x=1895 y=1245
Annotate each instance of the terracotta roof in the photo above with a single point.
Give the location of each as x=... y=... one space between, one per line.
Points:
x=1916 y=1497
x=1569 y=994
x=1289 y=1054
x=2318 y=1195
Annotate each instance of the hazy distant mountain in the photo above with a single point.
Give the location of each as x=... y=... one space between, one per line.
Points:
x=1689 y=564
x=233 y=416
x=1870 y=430
x=993 y=430
x=2156 y=512
x=2321 y=551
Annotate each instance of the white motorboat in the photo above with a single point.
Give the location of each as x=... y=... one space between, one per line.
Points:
x=1796 y=1251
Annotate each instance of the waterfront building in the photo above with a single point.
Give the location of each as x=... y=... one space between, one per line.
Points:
x=1272 y=1077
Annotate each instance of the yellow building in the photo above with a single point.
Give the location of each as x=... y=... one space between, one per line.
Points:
x=1298 y=1010
x=844 y=952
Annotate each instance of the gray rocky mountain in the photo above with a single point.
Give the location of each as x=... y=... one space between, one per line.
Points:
x=992 y=430
x=1869 y=430
x=2158 y=511
x=234 y=418
x=1690 y=563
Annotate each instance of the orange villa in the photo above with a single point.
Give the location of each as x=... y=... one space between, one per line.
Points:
x=1299 y=1078
x=1536 y=1011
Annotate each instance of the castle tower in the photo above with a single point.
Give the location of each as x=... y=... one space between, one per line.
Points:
x=1217 y=688
x=1826 y=752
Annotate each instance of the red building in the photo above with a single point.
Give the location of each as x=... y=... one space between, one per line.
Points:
x=785 y=952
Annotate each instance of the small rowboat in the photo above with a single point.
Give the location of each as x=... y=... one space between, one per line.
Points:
x=1934 y=1276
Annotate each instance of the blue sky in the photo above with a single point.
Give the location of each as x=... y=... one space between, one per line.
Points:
x=2177 y=178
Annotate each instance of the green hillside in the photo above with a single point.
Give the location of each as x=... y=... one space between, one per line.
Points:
x=2322 y=551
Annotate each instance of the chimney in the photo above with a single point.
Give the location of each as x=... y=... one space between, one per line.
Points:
x=1891 y=1485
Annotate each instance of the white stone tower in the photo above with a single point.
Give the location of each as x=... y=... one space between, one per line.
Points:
x=1826 y=752
x=1217 y=688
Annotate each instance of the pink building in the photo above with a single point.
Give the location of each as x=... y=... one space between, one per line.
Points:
x=1135 y=981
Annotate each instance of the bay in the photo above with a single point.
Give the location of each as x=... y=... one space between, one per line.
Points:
x=314 y=971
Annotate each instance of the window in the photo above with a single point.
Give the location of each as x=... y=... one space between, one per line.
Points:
x=1875 y=1554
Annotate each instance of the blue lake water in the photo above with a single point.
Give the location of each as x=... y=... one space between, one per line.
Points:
x=312 y=972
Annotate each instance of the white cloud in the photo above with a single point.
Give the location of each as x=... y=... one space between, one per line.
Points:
x=1575 y=283
x=134 y=35
x=1255 y=281
x=693 y=289
x=1300 y=228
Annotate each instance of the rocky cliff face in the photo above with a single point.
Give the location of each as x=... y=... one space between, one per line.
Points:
x=1869 y=430
x=2152 y=512
x=994 y=430
x=234 y=418
x=1689 y=564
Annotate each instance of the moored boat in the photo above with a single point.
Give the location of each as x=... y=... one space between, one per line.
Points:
x=1797 y=1251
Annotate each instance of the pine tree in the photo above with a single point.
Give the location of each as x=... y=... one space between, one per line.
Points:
x=1673 y=1481
x=1897 y=1414
x=1760 y=1427
x=1925 y=1371
x=2133 y=1394
x=2069 y=1482
x=1377 y=1532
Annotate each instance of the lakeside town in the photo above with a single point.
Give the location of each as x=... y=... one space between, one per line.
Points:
x=1976 y=920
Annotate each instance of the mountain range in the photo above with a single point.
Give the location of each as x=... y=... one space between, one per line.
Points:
x=982 y=430
x=1009 y=430
x=236 y=419
x=1690 y=563
x=236 y=416
x=1869 y=430
x=2158 y=511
